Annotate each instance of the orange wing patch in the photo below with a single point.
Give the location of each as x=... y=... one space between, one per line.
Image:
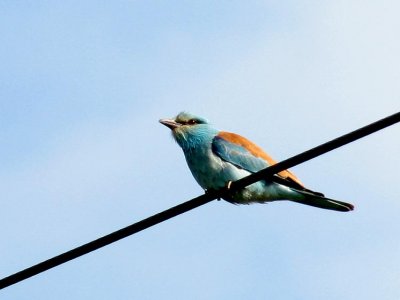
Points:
x=256 y=151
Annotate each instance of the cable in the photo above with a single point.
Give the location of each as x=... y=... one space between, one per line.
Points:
x=198 y=201
x=317 y=151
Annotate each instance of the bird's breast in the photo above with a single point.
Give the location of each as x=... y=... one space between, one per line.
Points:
x=210 y=171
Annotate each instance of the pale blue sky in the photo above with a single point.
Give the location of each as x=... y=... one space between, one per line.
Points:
x=82 y=86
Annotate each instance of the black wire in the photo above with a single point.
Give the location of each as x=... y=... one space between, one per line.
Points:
x=198 y=201
x=317 y=151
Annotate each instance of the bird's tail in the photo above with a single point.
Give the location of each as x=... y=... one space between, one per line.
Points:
x=318 y=200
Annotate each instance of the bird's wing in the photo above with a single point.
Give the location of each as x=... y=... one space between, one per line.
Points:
x=244 y=154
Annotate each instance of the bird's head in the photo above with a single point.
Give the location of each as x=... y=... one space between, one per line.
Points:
x=188 y=130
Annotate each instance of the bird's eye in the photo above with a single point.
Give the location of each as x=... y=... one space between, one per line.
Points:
x=188 y=122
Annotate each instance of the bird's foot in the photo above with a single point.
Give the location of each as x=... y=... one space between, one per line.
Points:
x=224 y=190
x=211 y=192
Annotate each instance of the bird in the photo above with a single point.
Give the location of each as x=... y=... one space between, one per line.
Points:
x=218 y=158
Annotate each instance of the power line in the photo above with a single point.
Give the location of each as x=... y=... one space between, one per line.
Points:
x=317 y=151
x=198 y=201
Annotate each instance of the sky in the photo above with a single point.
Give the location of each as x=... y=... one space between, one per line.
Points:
x=82 y=87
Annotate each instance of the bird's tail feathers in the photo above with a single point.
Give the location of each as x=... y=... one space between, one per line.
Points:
x=316 y=200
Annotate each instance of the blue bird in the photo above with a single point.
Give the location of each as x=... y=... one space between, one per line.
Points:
x=217 y=158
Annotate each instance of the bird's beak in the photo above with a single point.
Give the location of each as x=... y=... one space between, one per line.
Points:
x=171 y=124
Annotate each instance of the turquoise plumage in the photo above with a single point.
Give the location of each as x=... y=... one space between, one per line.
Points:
x=216 y=158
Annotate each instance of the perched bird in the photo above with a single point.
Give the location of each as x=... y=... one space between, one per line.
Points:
x=217 y=158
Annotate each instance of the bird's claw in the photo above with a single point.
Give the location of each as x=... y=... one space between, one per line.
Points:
x=224 y=190
x=228 y=185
